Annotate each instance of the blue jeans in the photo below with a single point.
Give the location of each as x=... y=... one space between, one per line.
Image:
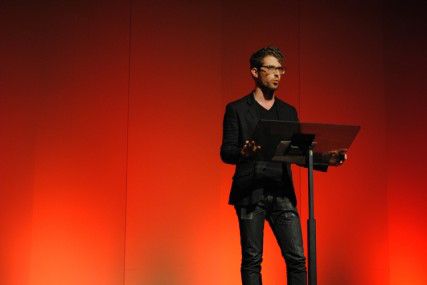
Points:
x=285 y=223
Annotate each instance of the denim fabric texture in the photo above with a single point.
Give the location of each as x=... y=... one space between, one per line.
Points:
x=285 y=223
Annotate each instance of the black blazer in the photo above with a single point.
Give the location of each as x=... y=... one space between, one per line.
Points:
x=240 y=120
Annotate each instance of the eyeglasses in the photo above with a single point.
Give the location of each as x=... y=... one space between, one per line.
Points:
x=272 y=69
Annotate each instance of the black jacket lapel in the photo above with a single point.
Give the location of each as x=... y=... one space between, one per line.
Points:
x=252 y=115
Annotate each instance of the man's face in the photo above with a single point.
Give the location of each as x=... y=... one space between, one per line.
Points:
x=268 y=75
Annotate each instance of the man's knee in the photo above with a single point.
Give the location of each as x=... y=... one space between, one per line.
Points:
x=296 y=264
x=251 y=261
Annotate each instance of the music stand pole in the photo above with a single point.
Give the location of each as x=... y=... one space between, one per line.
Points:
x=311 y=224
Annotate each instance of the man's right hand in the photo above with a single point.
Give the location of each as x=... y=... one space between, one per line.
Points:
x=249 y=148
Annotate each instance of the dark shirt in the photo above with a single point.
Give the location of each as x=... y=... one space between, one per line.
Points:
x=274 y=184
x=265 y=114
x=270 y=114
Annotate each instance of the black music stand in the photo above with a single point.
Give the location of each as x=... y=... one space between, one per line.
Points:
x=304 y=144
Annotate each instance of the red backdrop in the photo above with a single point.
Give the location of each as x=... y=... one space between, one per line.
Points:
x=110 y=124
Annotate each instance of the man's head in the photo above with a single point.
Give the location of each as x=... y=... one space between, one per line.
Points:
x=267 y=67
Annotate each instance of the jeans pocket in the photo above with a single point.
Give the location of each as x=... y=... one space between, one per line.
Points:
x=247 y=213
x=283 y=203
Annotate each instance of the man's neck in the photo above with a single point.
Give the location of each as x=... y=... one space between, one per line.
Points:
x=264 y=96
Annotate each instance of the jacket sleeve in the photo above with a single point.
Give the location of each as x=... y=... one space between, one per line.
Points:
x=319 y=163
x=230 y=149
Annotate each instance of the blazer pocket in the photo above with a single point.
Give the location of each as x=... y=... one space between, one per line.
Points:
x=269 y=171
x=243 y=177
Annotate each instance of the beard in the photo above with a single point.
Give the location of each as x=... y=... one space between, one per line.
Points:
x=268 y=90
x=268 y=87
x=268 y=83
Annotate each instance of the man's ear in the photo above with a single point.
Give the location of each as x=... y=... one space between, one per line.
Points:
x=254 y=72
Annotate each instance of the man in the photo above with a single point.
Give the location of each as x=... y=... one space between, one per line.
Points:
x=262 y=189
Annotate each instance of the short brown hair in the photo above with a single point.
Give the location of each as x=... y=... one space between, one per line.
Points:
x=258 y=56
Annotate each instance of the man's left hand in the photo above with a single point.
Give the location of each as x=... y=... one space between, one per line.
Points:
x=337 y=157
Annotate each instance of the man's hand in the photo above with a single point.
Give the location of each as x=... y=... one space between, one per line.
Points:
x=337 y=157
x=249 y=148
